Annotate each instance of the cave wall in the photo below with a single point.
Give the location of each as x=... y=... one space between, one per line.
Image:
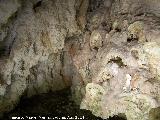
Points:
x=108 y=51
x=118 y=59
x=33 y=33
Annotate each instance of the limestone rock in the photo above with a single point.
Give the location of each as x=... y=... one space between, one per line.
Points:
x=35 y=38
x=8 y=9
x=107 y=51
x=93 y=96
x=95 y=39
x=136 y=31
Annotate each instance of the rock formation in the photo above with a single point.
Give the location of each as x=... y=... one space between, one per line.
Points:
x=107 y=51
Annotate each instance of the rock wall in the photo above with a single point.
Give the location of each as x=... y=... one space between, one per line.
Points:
x=108 y=51
x=118 y=59
x=32 y=38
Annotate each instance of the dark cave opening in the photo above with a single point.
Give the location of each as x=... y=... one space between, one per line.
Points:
x=51 y=105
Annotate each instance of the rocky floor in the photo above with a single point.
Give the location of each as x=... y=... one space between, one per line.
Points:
x=52 y=104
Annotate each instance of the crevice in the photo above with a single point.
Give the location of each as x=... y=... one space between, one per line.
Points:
x=94 y=5
x=118 y=30
x=2 y=49
x=35 y=6
x=118 y=61
x=8 y=41
x=131 y=38
x=96 y=48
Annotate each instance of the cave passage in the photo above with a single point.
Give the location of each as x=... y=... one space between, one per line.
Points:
x=52 y=104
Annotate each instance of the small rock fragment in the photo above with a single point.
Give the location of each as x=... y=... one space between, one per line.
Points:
x=136 y=32
x=95 y=40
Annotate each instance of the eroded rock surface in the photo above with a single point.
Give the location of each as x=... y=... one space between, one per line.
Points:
x=107 y=51
x=32 y=43
x=122 y=74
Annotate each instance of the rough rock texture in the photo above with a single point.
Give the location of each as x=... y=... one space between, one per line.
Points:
x=108 y=51
x=119 y=59
x=32 y=41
